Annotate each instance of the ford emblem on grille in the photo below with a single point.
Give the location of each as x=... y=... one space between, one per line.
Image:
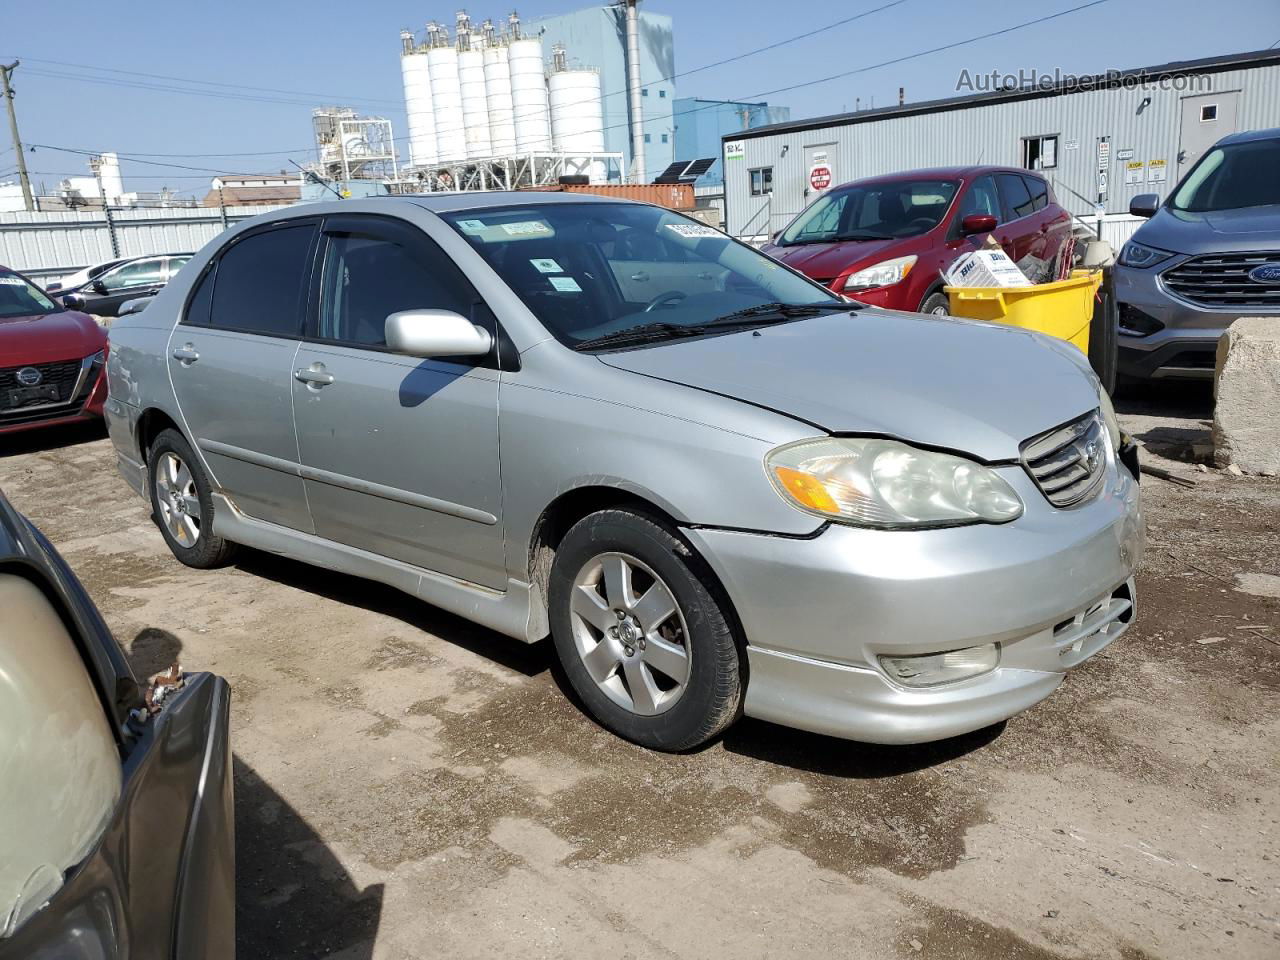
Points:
x=1266 y=272
x=29 y=376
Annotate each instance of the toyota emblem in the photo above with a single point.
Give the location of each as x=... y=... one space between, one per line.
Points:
x=29 y=376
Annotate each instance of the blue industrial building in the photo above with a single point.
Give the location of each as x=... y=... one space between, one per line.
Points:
x=700 y=125
x=596 y=37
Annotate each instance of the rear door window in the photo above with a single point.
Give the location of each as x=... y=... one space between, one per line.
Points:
x=1017 y=198
x=260 y=280
x=201 y=302
x=1039 y=191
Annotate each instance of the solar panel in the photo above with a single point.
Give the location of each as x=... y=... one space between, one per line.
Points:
x=699 y=167
x=672 y=173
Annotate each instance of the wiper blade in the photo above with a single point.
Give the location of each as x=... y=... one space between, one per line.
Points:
x=642 y=333
x=785 y=310
x=861 y=236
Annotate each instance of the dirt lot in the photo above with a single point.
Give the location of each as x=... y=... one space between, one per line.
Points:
x=410 y=785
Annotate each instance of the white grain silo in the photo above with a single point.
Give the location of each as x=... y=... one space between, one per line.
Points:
x=497 y=86
x=446 y=95
x=417 y=101
x=475 y=111
x=529 y=101
x=577 y=115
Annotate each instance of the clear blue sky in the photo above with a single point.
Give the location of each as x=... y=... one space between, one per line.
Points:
x=349 y=53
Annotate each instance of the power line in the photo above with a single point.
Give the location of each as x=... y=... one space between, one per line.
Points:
x=209 y=83
x=1036 y=21
x=222 y=95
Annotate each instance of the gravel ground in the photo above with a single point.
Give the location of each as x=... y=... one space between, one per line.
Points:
x=410 y=785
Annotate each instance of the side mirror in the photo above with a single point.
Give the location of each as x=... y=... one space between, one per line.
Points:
x=977 y=223
x=98 y=287
x=436 y=333
x=1144 y=205
x=136 y=305
x=73 y=301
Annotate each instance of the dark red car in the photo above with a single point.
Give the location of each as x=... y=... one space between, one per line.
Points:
x=886 y=240
x=52 y=360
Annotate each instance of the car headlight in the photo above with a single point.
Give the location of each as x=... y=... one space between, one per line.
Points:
x=870 y=482
x=1109 y=419
x=882 y=274
x=1134 y=254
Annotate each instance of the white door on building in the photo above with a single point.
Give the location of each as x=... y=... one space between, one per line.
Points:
x=1206 y=119
x=821 y=169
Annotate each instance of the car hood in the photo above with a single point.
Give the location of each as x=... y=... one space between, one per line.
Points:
x=41 y=338
x=1217 y=231
x=827 y=261
x=938 y=382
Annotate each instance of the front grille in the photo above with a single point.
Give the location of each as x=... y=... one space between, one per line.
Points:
x=1222 y=280
x=1068 y=462
x=62 y=374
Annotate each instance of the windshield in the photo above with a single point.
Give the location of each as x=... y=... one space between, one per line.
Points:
x=873 y=211
x=19 y=298
x=588 y=270
x=1230 y=177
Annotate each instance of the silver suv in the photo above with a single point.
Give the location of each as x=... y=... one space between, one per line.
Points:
x=1209 y=255
x=717 y=486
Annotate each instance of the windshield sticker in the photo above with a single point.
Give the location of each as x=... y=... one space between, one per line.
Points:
x=546 y=266
x=472 y=226
x=692 y=230
x=565 y=284
x=527 y=228
x=13 y=281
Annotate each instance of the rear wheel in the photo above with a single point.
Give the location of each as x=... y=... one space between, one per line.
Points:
x=1103 y=333
x=938 y=304
x=182 y=503
x=643 y=638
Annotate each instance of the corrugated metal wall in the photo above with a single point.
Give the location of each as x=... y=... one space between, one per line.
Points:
x=49 y=246
x=993 y=133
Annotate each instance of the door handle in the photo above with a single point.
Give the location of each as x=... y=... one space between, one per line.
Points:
x=313 y=376
x=186 y=354
x=639 y=276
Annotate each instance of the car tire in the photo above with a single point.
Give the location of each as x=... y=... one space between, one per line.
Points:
x=627 y=669
x=936 y=303
x=182 y=503
x=1104 y=330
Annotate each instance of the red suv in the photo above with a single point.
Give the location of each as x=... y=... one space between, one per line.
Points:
x=52 y=360
x=886 y=240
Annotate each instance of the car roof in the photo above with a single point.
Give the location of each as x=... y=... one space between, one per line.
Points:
x=475 y=200
x=943 y=173
x=1251 y=136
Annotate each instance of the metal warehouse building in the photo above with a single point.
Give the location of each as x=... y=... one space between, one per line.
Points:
x=1107 y=137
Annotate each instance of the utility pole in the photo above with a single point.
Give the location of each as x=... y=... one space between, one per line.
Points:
x=5 y=72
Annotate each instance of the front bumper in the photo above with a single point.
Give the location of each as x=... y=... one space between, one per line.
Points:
x=1185 y=345
x=1051 y=588
x=86 y=403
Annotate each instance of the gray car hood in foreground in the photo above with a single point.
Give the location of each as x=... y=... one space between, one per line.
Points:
x=967 y=386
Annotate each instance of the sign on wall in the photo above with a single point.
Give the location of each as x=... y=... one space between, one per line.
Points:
x=735 y=149
x=1156 y=171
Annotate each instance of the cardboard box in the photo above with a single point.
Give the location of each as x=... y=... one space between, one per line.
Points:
x=985 y=268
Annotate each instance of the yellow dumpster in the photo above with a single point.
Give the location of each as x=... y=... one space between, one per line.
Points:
x=1063 y=309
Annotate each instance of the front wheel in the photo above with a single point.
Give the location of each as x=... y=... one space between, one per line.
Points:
x=938 y=304
x=644 y=641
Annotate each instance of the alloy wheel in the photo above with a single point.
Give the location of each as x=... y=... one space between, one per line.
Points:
x=178 y=499
x=630 y=633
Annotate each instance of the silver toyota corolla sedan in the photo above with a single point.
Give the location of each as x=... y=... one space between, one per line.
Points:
x=717 y=487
